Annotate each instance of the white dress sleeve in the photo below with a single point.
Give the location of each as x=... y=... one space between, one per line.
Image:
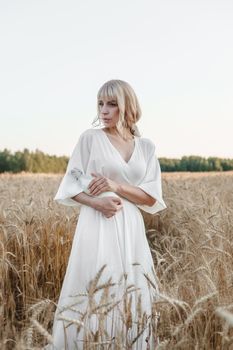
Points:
x=69 y=186
x=151 y=183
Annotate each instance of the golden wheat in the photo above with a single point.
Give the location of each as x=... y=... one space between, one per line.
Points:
x=191 y=244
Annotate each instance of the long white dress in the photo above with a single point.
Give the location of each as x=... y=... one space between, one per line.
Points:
x=119 y=241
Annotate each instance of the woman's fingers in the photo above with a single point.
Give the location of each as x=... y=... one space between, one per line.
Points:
x=117 y=199
x=100 y=184
x=110 y=206
x=95 y=183
x=100 y=188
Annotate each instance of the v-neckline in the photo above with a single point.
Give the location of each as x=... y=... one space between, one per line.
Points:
x=132 y=154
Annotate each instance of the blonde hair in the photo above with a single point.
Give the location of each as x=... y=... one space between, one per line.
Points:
x=129 y=108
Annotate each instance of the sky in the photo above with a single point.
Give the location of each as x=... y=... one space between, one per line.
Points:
x=176 y=54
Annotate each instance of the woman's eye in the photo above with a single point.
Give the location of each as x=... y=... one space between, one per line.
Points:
x=110 y=103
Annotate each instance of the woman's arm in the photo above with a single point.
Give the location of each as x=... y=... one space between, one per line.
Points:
x=135 y=194
x=85 y=199
x=108 y=206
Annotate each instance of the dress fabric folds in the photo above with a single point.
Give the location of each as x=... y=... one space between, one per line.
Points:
x=118 y=242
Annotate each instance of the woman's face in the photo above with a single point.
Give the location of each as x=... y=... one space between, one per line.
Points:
x=109 y=112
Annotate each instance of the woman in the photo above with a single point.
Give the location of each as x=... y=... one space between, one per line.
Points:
x=110 y=229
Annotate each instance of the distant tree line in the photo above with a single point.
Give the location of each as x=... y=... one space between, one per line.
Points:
x=34 y=162
x=196 y=163
x=39 y=162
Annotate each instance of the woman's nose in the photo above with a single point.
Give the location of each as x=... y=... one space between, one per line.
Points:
x=104 y=109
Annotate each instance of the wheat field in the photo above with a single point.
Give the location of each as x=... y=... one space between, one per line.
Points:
x=191 y=244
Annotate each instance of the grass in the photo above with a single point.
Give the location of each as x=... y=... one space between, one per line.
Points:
x=192 y=248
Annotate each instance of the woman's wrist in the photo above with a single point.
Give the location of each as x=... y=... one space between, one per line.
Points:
x=119 y=189
x=95 y=203
x=88 y=200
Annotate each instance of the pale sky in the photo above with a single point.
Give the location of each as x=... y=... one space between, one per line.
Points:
x=176 y=54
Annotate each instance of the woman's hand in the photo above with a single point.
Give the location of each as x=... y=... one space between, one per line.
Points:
x=101 y=184
x=108 y=206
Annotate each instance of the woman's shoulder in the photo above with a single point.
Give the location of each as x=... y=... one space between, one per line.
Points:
x=89 y=131
x=147 y=144
x=88 y=134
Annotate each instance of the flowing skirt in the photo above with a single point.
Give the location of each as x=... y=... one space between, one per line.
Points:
x=111 y=251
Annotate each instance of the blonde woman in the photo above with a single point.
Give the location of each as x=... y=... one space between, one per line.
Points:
x=110 y=229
